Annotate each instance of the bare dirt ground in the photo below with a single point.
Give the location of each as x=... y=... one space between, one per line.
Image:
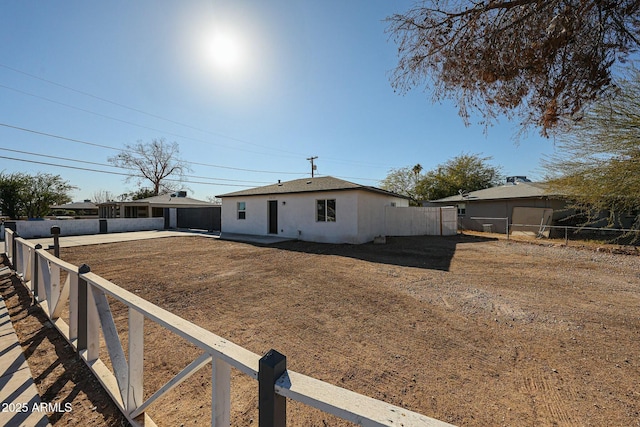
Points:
x=466 y=329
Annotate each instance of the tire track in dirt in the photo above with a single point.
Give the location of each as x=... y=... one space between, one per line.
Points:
x=545 y=397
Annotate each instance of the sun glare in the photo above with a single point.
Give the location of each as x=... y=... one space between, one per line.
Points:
x=225 y=51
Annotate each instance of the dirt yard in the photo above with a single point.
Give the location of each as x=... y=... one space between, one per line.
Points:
x=469 y=330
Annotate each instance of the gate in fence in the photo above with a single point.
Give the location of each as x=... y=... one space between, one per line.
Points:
x=200 y=218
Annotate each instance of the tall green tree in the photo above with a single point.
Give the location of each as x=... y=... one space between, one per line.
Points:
x=404 y=181
x=46 y=190
x=32 y=195
x=541 y=61
x=466 y=172
x=597 y=164
x=13 y=189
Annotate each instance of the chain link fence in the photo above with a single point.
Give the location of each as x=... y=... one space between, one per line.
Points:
x=567 y=233
x=618 y=236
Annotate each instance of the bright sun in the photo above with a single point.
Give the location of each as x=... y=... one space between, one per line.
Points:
x=225 y=51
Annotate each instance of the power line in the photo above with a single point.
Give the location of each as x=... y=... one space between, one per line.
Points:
x=58 y=158
x=137 y=110
x=59 y=137
x=194 y=163
x=119 y=149
x=120 y=167
x=116 y=173
x=124 y=121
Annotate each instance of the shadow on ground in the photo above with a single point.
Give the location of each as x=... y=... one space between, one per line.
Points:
x=429 y=252
x=59 y=374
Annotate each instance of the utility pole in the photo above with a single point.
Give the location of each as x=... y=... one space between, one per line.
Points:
x=313 y=167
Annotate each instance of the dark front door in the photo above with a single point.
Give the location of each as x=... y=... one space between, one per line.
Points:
x=273 y=217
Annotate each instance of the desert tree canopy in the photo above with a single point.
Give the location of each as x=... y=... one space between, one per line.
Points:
x=597 y=164
x=540 y=61
x=465 y=172
x=32 y=196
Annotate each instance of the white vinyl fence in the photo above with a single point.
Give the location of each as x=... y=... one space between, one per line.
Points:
x=30 y=229
x=89 y=314
x=421 y=221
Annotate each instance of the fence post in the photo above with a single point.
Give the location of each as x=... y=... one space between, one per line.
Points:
x=82 y=308
x=135 y=395
x=220 y=393
x=272 y=408
x=36 y=273
x=55 y=232
x=14 y=251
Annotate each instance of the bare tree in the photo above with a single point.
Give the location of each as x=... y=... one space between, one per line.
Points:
x=102 y=196
x=542 y=61
x=157 y=162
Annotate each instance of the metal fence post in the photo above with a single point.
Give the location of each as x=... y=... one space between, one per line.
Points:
x=82 y=308
x=55 y=232
x=272 y=408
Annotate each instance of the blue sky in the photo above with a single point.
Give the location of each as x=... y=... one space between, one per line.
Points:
x=298 y=79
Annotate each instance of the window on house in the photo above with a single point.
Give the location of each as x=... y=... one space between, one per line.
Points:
x=462 y=208
x=326 y=210
x=242 y=210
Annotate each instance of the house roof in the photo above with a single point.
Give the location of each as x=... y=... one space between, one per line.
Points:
x=164 y=201
x=76 y=206
x=521 y=190
x=309 y=185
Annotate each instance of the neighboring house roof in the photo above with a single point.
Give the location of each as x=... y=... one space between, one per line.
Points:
x=309 y=185
x=76 y=206
x=174 y=201
x=164 y=201
x=521 y=190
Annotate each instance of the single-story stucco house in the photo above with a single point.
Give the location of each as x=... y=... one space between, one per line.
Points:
x=177 y=209
x=320 y=209
x=85 y=208
x=519 y=201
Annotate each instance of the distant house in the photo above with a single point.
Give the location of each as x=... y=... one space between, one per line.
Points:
x=178 y=210
x=84 y=209
x=520 y=201
x=320 y=209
